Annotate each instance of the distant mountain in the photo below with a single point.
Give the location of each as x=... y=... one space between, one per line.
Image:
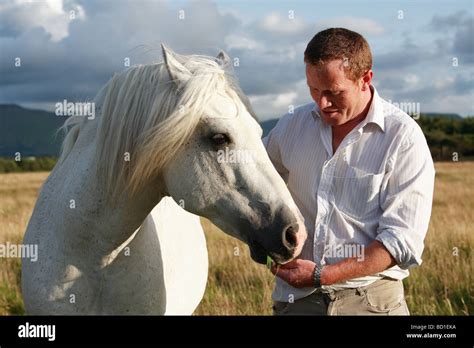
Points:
x=267 y=126
x=30 y=132
x=442 y=115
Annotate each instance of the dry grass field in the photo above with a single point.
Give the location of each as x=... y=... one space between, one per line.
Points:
x=443 y=285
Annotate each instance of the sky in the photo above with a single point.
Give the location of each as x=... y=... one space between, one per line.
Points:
x=51 y=50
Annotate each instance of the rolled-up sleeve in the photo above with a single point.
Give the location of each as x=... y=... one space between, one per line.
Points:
x=406 y=198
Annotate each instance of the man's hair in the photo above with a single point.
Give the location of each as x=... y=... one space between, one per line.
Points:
x=340 y=43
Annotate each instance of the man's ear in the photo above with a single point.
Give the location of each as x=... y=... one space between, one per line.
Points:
x=367 y=80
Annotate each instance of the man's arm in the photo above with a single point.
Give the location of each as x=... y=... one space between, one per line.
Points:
x=406 y=200
x=406 y=203
x=376 y=259
x=299 y=273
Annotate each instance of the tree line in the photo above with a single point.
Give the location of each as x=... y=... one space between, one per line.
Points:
x=448 y=138
x=28 y=164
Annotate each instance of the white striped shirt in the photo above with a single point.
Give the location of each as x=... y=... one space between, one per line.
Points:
x=378 y=185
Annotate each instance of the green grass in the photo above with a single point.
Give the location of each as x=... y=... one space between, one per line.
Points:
x=11 y=301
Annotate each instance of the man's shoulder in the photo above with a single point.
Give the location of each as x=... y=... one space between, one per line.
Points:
x=396 y=117
x=398 y=121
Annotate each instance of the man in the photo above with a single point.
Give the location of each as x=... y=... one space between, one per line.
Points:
x=362 y=175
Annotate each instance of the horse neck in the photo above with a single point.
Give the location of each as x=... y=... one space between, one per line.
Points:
x=114 y=221
x=129 y=214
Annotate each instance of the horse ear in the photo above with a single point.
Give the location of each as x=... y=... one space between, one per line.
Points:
x=178 y=72
x=224 y=59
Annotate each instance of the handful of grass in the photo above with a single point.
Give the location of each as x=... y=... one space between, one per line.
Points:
x=269 y=262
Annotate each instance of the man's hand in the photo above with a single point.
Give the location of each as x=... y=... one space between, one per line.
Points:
x=298 y=273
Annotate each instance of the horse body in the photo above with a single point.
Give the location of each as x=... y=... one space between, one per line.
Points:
x=84 y=271
x=110 y=238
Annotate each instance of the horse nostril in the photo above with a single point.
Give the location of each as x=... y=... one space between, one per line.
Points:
x=289 y=236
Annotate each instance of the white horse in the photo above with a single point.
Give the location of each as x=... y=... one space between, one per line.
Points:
x=110 y=238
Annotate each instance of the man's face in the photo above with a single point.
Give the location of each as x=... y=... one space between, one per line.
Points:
x=339 y=98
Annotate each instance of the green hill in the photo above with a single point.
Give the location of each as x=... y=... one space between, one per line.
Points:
x=30 y=132
x=33 y=133
x=441 y=115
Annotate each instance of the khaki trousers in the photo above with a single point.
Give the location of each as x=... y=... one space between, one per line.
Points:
x=383 y=297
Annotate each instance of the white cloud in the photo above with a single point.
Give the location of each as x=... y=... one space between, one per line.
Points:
x=276 y=23
x=64 y=59
x=285 y=99
x=77 y=65
x=441 y=83
x=241 y=43
x=270 y=106
x=411 y=81
x=275 y=105
x=364 y=26
x=50 y=15
x=461 y=104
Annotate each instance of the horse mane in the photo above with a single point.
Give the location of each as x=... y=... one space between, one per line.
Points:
x=143 y=119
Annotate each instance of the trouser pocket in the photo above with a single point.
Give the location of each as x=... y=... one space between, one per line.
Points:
x=386 y=298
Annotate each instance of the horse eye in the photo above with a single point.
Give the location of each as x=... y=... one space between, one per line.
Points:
x=220 y=139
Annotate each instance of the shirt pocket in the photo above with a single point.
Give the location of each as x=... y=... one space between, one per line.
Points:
x=357 y=193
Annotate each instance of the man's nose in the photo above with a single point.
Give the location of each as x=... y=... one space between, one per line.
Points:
x=324 y=102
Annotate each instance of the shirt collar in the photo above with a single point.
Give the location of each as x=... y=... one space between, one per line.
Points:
x=374 y=115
